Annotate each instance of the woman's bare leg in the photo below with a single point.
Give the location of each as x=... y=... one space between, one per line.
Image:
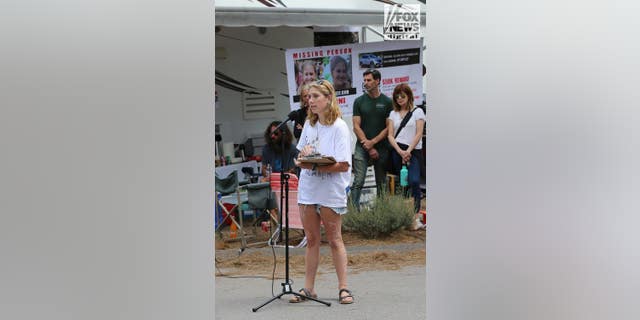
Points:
x=311 y=224
x=333 y=228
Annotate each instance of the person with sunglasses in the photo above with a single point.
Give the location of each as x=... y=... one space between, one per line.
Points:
x=272 y=150
x=322 y=190
x=370 y=111
x=406 y=141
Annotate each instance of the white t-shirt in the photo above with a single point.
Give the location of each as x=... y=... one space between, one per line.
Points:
x=326 y=188
x=409 y=131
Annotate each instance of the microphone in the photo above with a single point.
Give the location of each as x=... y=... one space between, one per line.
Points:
x=291 y=116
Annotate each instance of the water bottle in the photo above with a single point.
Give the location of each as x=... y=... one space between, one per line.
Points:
x=268 y=170
x=404 y=176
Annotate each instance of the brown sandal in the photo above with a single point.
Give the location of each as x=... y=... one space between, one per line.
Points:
x=305 y=293
x=342 y=298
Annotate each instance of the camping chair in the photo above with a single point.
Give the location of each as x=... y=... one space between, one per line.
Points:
x=250 y=175
x=261 y=199
x=225 y=188
x=295 y=221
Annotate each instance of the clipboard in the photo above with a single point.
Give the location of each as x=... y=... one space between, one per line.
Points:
x=319 y=160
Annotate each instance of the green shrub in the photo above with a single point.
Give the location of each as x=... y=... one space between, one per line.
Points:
x=386 y=215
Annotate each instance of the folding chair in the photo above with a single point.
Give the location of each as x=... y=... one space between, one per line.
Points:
x=250 y=175
x=295 y=221
x=225 y=188
x=274 y=179
x=260 y=198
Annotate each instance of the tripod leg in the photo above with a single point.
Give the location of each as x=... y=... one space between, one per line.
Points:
x=286 y=286
x=328 y=304
x=266 y=303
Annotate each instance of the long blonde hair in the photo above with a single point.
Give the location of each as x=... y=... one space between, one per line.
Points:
x=303 y=88
x=332 y=112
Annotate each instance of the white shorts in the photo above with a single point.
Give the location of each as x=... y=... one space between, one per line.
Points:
x=340 y=211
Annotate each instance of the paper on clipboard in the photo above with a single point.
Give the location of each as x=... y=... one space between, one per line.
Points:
x=319 y=160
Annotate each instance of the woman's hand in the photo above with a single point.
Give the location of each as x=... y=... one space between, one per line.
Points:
x=406 y=156
x=306 y=150
x=302 y=165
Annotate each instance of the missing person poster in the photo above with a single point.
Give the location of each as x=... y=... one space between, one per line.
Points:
x=331 y=63
x=343 y=65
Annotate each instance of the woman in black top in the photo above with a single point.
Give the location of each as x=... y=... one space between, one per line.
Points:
x=302 y=112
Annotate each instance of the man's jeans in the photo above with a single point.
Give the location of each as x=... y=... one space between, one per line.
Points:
x=361 y=161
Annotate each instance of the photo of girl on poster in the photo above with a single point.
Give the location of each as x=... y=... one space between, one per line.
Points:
x=307 y=71
x=335 y=69
x=340 y=72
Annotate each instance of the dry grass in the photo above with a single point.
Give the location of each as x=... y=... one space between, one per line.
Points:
x=259 y=263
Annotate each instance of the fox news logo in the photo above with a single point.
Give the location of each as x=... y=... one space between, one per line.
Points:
x=401 y=22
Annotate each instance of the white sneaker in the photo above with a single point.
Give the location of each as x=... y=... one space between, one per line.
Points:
x=417 y=225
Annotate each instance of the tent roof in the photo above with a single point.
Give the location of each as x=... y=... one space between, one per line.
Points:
x=326 y=13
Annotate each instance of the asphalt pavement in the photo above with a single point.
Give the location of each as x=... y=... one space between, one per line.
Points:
x=384 y=294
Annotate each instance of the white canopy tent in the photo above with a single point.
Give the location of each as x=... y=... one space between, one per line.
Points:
x=241 y=49
x=326 y=13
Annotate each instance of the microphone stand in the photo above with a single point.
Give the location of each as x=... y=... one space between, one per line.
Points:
x=284 y=195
